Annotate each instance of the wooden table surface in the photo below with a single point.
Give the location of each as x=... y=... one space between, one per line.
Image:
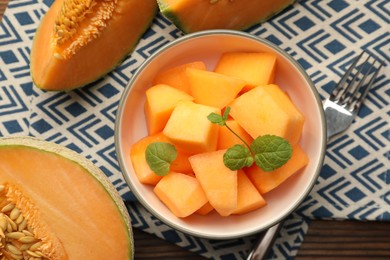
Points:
x=324 y=240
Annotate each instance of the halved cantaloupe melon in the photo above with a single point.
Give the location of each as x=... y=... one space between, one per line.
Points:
x=67 y=203
x=197 y=15
x=177 y=77
x=78 y=42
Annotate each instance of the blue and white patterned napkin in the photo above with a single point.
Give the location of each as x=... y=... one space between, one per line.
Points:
x=323 y=36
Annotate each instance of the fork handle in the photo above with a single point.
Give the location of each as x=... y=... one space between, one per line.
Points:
x=263 y=245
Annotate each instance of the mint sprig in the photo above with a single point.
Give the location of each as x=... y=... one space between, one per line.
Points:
x=269 y=151
x=159 y=156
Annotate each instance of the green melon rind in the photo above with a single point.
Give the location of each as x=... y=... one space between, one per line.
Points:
x=128 y=52
x=89 y=167
x=172 y=16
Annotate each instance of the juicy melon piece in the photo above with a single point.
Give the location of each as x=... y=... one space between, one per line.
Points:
x=227 y=139
x=205 y=209
x=268 y=110
x=267 y=181
x=189 y=129
x=248 y=197
x=66 y=55
x=254 y=67
x=181 y=193
x=141 y=168
x=177 y=77
x=160 y=101
x=218 y=181
x=213 y=89
x=197 y=15
x=68 y=198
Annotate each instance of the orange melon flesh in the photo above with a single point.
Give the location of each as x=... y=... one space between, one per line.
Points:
x=271 y=112
x=213 y=89
x=74 y=198
x=176 y=77
x=189 y=129
x=248 y=197
x=205 y=209
x=196 y=15
x=227 y=139
x=160 y=101
x=255 y=68
x=141 y=168
x=181 y=193
x=267 y=181
x=218 y=181
x=49 y=71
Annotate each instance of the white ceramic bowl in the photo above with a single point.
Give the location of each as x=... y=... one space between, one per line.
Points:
x=207 y=46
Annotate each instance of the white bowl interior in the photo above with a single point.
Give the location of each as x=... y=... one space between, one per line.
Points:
x=208 y=47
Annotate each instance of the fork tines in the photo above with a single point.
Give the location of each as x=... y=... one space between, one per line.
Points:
x=356 y=82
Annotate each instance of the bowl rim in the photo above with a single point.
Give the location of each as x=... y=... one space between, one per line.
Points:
x=200 y=34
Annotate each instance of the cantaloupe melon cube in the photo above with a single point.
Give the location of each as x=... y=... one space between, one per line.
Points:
x=189 y=129
x=227 y=139
x=253 y=67
x=213 y=89
x=181 y=193
x=176 y=77
x=141 y=168
x=267 y=181
x=206 y=209
x=268 y=110
x=160 y=101
x=248 y=197
x=218 y=182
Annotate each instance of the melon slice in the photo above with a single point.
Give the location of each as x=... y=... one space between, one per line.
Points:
x=197 y=15
x=213 y=89
x=181 y=193
x=254 y=67
x=65 y=201
x=189 y=129
x=205 y=209
x=227 y=139
x=66 y=55
x=160 y=101
x=267 y=181
x=177 y=77
x=271 y=111
x=141 y=168
x=218 y=181
x=248 y=197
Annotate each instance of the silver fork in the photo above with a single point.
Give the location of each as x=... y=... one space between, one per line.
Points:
x=340 y=108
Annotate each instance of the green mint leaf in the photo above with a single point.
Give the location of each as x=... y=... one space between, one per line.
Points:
x=271 y=152
x=237 y=157
x=159 y=156
x=216 y=119
x=226 y=113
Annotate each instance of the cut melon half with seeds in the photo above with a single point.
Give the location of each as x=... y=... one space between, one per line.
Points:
x=55 y=204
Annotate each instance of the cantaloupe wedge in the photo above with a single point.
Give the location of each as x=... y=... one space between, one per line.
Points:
x=189 y=129
x=160 y=101
x=267 y=181
x=213 y=89
x=227 y=139
x=255 y=68
x=218 y=181
x=66 y=202
x=181 y=193
x=268 y=110
x=248 y=197
x=205 y=209
x=141 y=168
x=177 y=77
